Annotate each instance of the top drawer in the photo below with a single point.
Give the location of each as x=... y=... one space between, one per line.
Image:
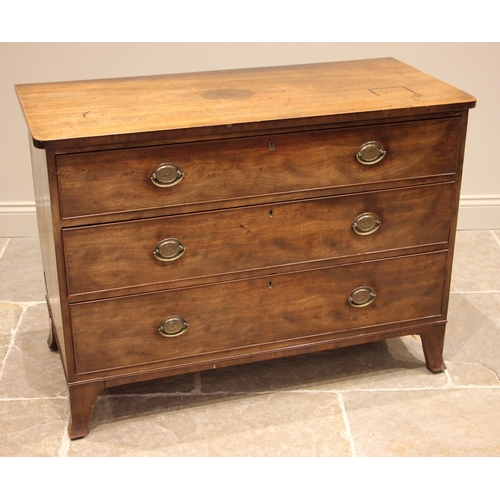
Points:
x=230 y=169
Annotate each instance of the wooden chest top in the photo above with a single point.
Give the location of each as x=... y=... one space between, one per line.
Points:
x=97 y=112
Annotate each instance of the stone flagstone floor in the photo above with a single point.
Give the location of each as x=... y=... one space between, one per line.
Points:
x=375 y=400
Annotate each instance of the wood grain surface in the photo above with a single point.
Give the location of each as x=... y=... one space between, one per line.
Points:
x=254 y=314
x=103 y=110
x=119 y=180
x=120 y=256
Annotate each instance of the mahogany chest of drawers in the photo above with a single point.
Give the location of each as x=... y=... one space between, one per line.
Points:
x=195 y=221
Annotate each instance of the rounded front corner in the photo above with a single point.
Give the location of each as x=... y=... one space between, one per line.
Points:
x=39 y=144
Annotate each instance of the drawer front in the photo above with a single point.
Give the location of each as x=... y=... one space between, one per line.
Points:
x=120 y=180
x=255 y=314
x=165 y=249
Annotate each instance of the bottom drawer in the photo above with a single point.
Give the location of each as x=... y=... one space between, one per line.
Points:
x=255 y=314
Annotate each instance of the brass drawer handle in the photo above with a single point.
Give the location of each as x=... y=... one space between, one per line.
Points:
x=169 y=249
x=361 y=296
x=365 y=224
x=370 y=153
x=172 y=326
x=166 y=175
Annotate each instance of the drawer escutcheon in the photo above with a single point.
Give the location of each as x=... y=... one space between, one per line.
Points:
x=361 y=296
x=172 y=326
x=370 y=153
x=166 y=175
x=169 y=249
x=365 y=224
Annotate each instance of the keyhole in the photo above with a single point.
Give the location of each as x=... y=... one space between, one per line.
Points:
x=271 y=215
x=271 y=146
x=270 y=285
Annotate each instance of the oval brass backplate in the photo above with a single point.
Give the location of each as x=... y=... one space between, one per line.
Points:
x=361 y=296
x=365 y=224
x=370 y=153
x=166 y=175
x=172 y=326
x=169 y=249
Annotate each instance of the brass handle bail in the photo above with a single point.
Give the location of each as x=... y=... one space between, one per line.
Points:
x=172 y=326
x=365 y=224
x=370 y=153
x=361 y=296
x=166 y=175
x=169 y=249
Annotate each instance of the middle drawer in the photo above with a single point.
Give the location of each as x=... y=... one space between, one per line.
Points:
x=167 y=249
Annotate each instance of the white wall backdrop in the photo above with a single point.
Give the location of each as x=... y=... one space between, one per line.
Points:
x=473 y=67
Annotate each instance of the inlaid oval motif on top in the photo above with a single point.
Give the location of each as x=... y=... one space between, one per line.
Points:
x=235 y=94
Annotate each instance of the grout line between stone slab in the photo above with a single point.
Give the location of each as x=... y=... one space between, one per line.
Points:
x=65 y=444
x=34 y=398
x=347 y=434
x=32 y=303
x=450 y=380
x=448 y=386
x=2 y=250
x=13 y=333
x=495 y=237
